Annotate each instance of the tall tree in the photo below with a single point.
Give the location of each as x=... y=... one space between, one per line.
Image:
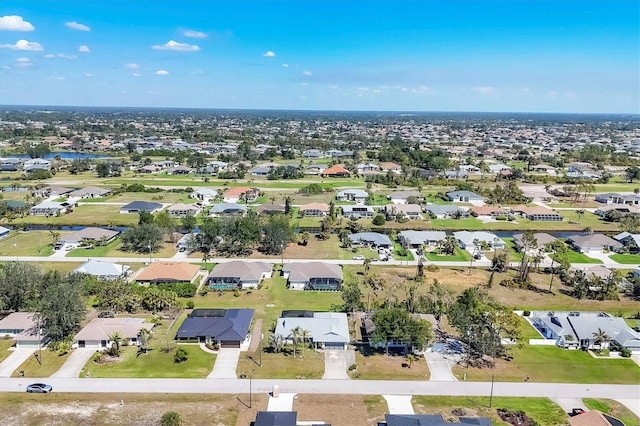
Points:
x=62 y=307
x=559 y=255
x=395 y=325
x=528 y=244
x=276 y=234
x=20 y=286
x=188 y=223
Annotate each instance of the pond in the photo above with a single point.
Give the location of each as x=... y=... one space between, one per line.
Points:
x=65 y=155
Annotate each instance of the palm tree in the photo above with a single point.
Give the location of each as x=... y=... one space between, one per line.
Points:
x=276 y=341
x=116 y=339
x=449 y=245
x=579 y=214
x=305 y=335
x=295 y=336
x=305 y=238
x=55 y=235
x=144 y=336
x=367 y=264
x=600 y=338
x=411 y=358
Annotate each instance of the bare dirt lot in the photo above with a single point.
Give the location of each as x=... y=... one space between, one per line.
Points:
x=348 y=410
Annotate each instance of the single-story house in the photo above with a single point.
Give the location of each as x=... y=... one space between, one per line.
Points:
x=538 y=213
x=615 y=198
x=223 y=209
x=36 y=164
x=136 y=207
x=431 y=420
x=276 y=418
x=468 y=240
x=183 y=210
x=630 y=241
x=391 y=167
x=336 y=171
x=4 y=232
x=407 y=211
x=541 y=237
x=313 y=153
x=357 y=212
x=465 y=197
x=312 y=276
x=314 y=210
x=270 y=209
x=97 y=333
x=48 y=208
x=576 y=330
x=184 y=243
x=372 y=239
x=241 y=193
x=593 y=243
x=402 y=197
x=417 y=239
x=205 y=195
x=168 y=272
x=103 y=270
x=622 y=209
x=22 y=328
x=52 y=190
x=10 y=164
x=357 y=195
x=487 y=212
x=86 y=236
x=367 y=168
x=446 y=211
x=594 y=418
x=327 y=330
x=238 y=274
x=315 y=169
x=227 y=327
x=89 y=192
x=179 y=170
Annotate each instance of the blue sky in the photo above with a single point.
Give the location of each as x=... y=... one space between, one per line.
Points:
x=445 y=55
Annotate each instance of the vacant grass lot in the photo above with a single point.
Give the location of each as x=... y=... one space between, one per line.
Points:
x=542 y=410
x=87 y=214
x=552 y=364
x=378 y=366
x=32 y=243
x=613 y=408
x=306 y=365
x=626 y=259
x=50 y=362
x=113 y=249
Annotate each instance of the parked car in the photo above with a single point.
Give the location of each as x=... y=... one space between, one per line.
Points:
x=358 y=257
x=39 y=388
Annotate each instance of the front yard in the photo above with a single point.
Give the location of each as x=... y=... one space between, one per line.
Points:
x=306 y=365
x=32 y=243
x=459 y=256
x=378 y=366
x=50 y=362
x=626 y=259
x=575 y=257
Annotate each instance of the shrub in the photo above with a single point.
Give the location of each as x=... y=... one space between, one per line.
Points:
x=625 y=353
x=237 y=293
x=190 y=304
x=526 y=313
x=353 y=367
x=379 y=220
x=97 y=357
x=181 y=355
x=171 y=418
x=432 y=268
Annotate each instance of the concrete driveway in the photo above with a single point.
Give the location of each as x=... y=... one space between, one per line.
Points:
x=75 y=363
x=336 y=363
x=440 y=367
x=13 y=361
x=399 y=404
x=226 y=364
x=569 y=404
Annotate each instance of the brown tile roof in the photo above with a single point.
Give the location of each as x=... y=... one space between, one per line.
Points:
x=338 y=169
x=170 y=271
x=324 y=207
x=237 y=191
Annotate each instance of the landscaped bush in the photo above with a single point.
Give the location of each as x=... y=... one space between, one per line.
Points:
x=190 y=304
x=379 y=220
x=180 y=289
x=625 y=353
x=181 y=355
x=526 y=313
x=171 y=418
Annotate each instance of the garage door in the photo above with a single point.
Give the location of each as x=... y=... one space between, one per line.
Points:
x=229 y=344
x=333 y=345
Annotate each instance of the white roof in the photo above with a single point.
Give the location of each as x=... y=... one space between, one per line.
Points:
x=102 y=269
x=323 y=327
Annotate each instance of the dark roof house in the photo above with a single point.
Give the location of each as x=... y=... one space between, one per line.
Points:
x=141 y=206
x=228 y=327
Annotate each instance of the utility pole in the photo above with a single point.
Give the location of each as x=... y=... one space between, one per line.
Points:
x=250 y=388
x=493 y=379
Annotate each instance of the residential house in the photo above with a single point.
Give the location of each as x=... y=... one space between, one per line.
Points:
x=241 y=193
x=225 y=209
x=579 y=329
x=391 y=167
x=314 y=210
x=538 y=213
x=4 y=232
x=631 y=242
x=446 y=211
x=270 y=209
x=327 y=330
x=402 y=197
x=315 y=169
x=179 y=170
x=10 y=164
x=487 y=212
x=183 y=210
x=184 y=243
x=263 y=170
x=431 y=420
x=205 y=195
x=52 y=191
x=407 y=211
x=357 y=212
x=48 y=209
x=622 y=209
x=472 y=241
x=97 y=334
x=23 y=328
x=417 y=239
x=312 y=276
x=168 y=272
x=357 y=195
x=89 y=192
x=103 y=270
x=370 y=239
x=313 y=153
x=86 y=237
x=594 y=418
x=36 y=164
x=542 y=238
x=238 y=274
x=465 y=197
x=593 y=243
x=455 y=174
x=137 y=207
x=276 y=418
x=228 y=328
x=609 y=198
x=367 y=169
x=336 y=171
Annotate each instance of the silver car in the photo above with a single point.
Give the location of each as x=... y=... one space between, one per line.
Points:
x=39 y=388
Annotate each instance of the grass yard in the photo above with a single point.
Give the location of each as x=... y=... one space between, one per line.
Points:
x=378 y=366
x=113 y=249
x=31 y=243
x=5 y=344
x=550 y=364
x=613 y=408
x=308 y=365
x=575 y=257
x=542 y=410
x=378 y=200
x=315 y=249
x=625 y=259
x=50 y=362
x=460 y=256
x=398 y=249
x=349 y=253
x=62 y=267
x=87 y=214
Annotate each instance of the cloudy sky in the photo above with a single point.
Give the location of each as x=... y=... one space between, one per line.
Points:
x=417 y=55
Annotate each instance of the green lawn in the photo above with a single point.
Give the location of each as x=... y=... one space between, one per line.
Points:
x=347 y=254
x=378 y=200
x=50 y=362
x=626 y=259
x=575 y=257
x=542 y=410
x=5 y=344
x=553 y=364
x=113 y=249
x=397 y=249
x=612 y=408
x=32 y=243
x=88 y=214
x=460 y=256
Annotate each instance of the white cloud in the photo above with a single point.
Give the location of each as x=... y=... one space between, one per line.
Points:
x=63 y=56
x=269 y=54
x=307 y=73
x=332 y=86
x=49 y=56
x=6 y=67
x=194 y=34
x=484 y=90
x=285 y=65
x=135 y=74
x=15 y=23
x=77 y=26
x=57 y=78
x=525 y=90
x=23 y=62
x=162 y=72
x=174 y=45
x=131 y=66
x=89 y=75
x=84 y=49
x=23 y=45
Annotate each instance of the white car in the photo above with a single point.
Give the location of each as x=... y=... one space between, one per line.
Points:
x=358 y=257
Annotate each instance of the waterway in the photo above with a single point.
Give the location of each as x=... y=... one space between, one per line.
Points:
x=64 y=155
